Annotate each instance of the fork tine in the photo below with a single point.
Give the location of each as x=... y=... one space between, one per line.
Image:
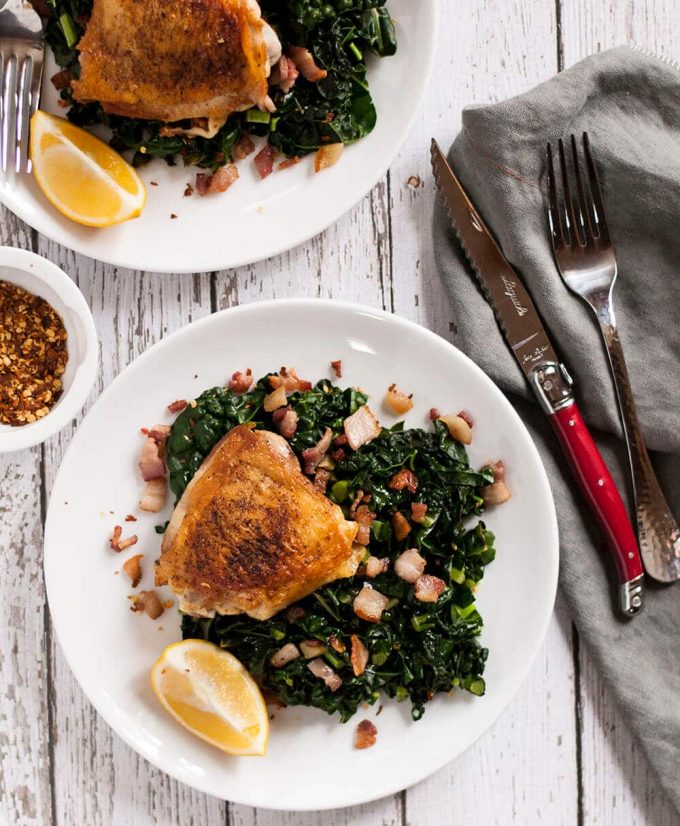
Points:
x=585 y=203
x=24 y=113
x=9 y=113
x=596 y=191
x=554 y=215
x=573 y=219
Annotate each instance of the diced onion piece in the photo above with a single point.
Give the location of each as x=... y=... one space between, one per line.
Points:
x=328 y=156
x=399 y=401
x=497 y=492
x=359 y=656
x=459 y=429
x=324 y=672
x=275 y=399
x=409 y=566
x=312 y=648
x=285 y=655
x=361 y=427
x=429 y=588
x=369 y=604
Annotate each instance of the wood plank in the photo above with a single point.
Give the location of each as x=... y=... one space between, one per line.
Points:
x=524 y=770
x=97 y=778
x=617 y=782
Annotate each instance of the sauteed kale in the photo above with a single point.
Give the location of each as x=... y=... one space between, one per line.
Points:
x=417 y=649
x=340 y=34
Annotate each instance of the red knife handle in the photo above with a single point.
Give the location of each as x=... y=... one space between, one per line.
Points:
x=603 y=497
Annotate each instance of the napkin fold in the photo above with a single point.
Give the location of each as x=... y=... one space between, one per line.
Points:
x=629 y=103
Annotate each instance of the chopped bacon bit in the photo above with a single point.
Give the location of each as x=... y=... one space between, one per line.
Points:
x=336 y=367
x=267 y=105
x=188 y=191
x=130 y=518
x=323 y=671
x=274 y=400
x=399 y=401
x=61 y=80
x=295 y=613
x=241 y=382
x=289 y=380
x=340 y=440
x=154 y=495
x=321 y=478
x=409 y=566
x=400 y=526
x=418 y=512
x=369 y=604
x=358 y=500
x=312 y=648
x=277 y=415
x=219 y=181
x=304 y=61
x=178 y=406
x=337 y=644
x=361 y=427
x=339 y=454
x=284 y=74
x=497 y=492
x=118 y=544
x=328 y=156
x=429 y=588
x=467 y=418
x=133 y=569
x=359 y=656
x=459 y=429
x=313 y=455
x=376 y=566
x=148 y=602
x=434 y=414
x=288 y=424
x=243 y=147
x=159 y=433
x=285 y=655
x=366 y=735
x=364 y=518
x=405 y=478
x=293 y=161
x=151 y=463
x=264 y=161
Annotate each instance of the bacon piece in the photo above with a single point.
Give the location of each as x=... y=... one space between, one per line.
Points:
x=290 y=380
x=359 y=656
x=376 y=566
x=130 y=518
x=133 y=569
x=429 y=588
x=159 y=433
x=62 y=79
x=288 y=424
x=243 y=147
x=399 y=401
x=285 y=655
x=306 y=65
x=274 y=400
x=418 y=512
x=178 y=406
x=409 y=566
x=466 y=417
x=154 y=495
x=365 y=735
x=219 y=181
x=324 y=672
x=328 y=156
x=337 y=644
x=497 y=492
x=284 y=74
x=405 y=478
x=151 y=463
x=321 y=478
x=313 y=455
x=118 y=544
x=312 y=648
x=241 y=382
x=336 y=367
x=364 y=518
x=264 y=161
x=369 y=604
x=361 y=427
x=267 y=105
x=434 y=414
x=295 y=613
x=148 y=602
x=459 y=429
x=400 y=526
x=293 y=161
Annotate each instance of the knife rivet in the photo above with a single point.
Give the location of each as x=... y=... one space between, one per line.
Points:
x=600 y=482
x=548 y=385
x=636 y=602
x=631 y=555
x=571 y=422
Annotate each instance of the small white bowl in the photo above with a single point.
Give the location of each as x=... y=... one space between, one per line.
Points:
x=41 y=277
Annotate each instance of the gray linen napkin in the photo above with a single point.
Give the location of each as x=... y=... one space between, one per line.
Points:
x=630 y=105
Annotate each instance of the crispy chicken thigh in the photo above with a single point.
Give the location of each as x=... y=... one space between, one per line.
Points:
x=176 y=60
x=251 y=533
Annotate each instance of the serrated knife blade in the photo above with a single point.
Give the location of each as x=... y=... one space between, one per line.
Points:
x=527 y=338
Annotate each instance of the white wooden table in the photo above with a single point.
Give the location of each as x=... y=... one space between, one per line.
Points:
x=561 y=753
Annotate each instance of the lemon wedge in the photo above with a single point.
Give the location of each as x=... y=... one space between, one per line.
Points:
x=81 y=176
x=208 y=691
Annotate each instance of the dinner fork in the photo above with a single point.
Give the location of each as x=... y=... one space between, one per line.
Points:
x=585 y=258
x=22 y=48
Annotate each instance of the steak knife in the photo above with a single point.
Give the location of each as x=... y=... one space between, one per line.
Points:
x=528 y=340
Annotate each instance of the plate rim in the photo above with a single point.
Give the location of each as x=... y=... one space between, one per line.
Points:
x=214 y=264
x=547 y=607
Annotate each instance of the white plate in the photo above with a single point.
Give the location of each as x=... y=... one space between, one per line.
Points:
x=255 y=219
x=310 y=763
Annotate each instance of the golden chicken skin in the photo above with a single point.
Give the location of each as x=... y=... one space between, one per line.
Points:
x=251 y=534
x=170 y=61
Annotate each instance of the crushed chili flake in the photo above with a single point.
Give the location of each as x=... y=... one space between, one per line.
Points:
x=33 y=355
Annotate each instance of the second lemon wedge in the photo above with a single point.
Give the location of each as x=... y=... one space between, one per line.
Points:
x=82 y=176
x=208 y=691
